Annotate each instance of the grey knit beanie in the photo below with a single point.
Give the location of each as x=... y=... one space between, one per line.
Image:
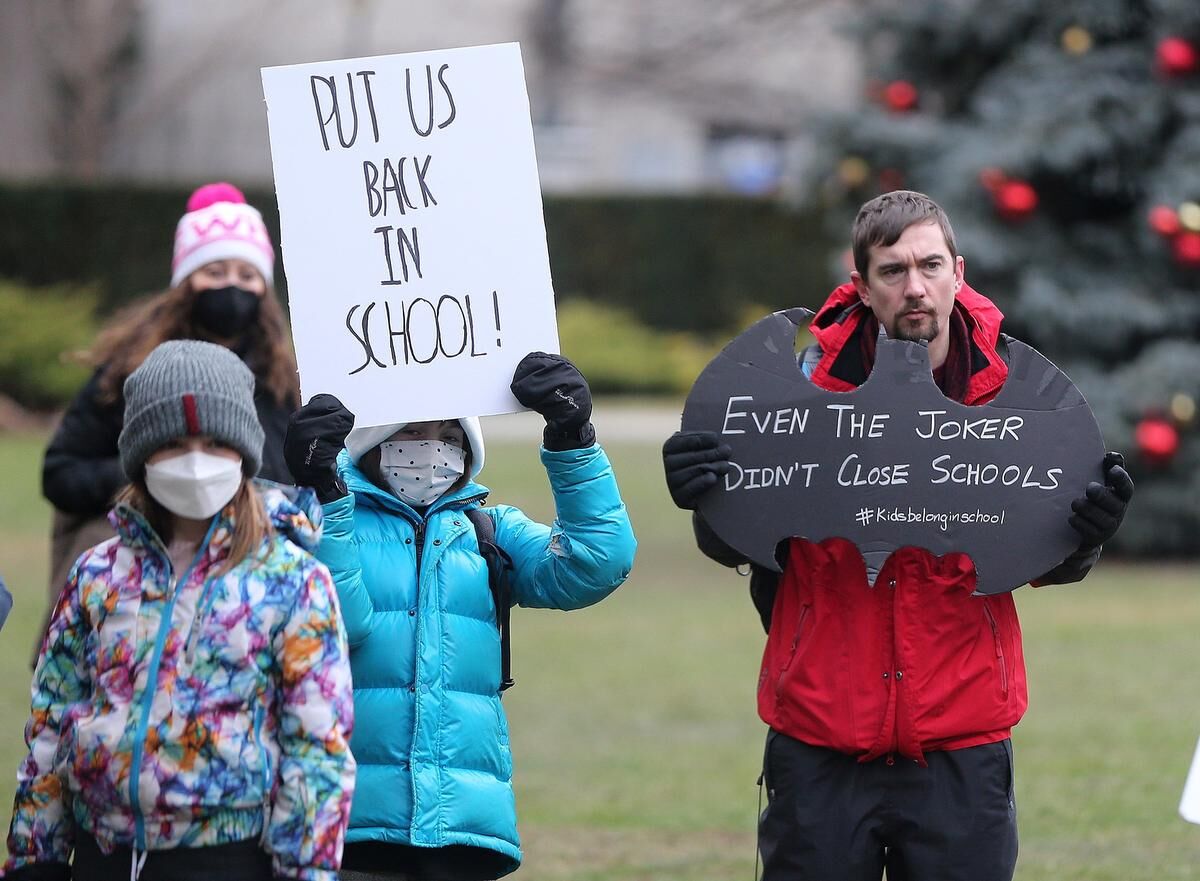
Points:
x=189 y=387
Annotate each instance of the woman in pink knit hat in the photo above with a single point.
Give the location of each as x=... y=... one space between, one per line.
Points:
x=221 y=291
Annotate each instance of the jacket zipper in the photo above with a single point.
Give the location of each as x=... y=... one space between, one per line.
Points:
x=894 y=697
x=987 y=610
x=419 y=541
x=421 y=522
x=804 y=610
x=266 y=774
x=139 y=740
x=202 y=609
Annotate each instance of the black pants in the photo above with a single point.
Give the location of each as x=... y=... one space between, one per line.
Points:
x=830 y=818
x=241 y=861
x=362 y=860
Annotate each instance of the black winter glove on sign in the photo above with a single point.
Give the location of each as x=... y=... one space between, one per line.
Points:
x=553 y=387
x=1097 y=516
x=694 y=461
x=316 y=433
x=1100 y=510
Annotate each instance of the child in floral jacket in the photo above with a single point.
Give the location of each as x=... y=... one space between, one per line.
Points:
x=192 y=704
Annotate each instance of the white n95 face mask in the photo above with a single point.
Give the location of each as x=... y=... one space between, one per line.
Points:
x=195 y=485
x=419 y=471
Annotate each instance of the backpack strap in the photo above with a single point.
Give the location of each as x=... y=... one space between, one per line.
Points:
x=499 y=565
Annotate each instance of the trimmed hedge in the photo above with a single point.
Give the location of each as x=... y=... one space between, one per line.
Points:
x=117 y=238
x=43 y=327
x=38 y=370
x=628 y=357
x=675 y=263
x=687 y=263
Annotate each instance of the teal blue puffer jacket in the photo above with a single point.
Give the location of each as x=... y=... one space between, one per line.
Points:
x=430 y=736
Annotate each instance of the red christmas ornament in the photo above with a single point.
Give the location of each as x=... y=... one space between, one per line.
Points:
x=1186 y=248
x=1157 y=440
x=1176 y=56
x=1164 y=221
x=1015 y=199
x=900 y=96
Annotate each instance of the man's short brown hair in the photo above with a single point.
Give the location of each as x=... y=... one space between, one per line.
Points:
x=883 y=220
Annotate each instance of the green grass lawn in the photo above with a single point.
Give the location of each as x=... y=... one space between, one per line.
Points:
x=634 y=729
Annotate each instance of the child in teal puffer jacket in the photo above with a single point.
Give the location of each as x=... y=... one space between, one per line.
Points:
x=434 y=798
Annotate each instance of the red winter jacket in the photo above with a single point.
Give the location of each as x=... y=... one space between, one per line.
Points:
x=914 y=663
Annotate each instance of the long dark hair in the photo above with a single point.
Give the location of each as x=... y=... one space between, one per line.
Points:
x=133 y=333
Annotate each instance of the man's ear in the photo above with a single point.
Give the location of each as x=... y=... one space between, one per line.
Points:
x=960 y=268
x=860 y=285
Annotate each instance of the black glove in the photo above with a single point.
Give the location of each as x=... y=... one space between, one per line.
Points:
x=694 y=461
x=316 y=433
x=553 y=386
x=1099 y=511
x=1074 y=568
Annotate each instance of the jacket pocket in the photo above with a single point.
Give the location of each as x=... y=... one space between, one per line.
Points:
x=1001 y=663
x=293 y=822
x=90 y=763
x=794 y=649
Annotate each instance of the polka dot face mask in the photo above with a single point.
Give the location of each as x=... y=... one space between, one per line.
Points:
x=419 y=471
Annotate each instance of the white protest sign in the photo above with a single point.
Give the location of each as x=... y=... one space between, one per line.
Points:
x=412 y=230
x=1189 y=805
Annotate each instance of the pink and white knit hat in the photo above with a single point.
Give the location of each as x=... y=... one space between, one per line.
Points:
x=219 y=225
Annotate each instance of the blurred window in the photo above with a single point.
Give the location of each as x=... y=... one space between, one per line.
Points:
x=745 y=160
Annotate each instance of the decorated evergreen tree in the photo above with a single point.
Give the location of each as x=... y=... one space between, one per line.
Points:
x=1063 y=139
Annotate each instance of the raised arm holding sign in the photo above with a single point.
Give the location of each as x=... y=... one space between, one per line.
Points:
x=902 y=476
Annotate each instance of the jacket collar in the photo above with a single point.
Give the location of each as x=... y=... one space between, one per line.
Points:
x=840 y=319
x=293 y=512
x=135 y=531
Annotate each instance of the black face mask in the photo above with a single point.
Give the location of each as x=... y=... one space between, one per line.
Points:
x=226 y=313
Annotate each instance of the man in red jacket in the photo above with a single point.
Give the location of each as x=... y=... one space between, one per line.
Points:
x=890 y=706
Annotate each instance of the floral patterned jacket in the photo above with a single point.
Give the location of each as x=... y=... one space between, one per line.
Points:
x=193 y=709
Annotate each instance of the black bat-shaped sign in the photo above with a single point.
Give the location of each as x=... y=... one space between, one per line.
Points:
x=895 y=462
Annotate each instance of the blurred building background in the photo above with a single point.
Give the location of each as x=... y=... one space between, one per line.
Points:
x=673 y=139
x=626 y=95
